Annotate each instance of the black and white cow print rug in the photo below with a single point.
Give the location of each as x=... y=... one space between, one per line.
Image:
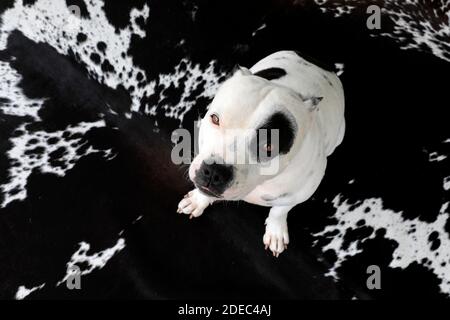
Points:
x=91 y=90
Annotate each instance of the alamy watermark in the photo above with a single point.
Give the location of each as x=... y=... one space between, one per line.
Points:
x=74 y=278
x=73 y=20
x=233 y=146
x=374 y=20
x=374 y=280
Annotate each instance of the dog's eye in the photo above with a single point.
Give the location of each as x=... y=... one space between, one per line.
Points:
x=215 y=119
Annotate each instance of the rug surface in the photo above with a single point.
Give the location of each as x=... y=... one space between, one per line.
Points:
x=91 y=90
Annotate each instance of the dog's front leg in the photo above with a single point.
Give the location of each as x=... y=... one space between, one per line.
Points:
x=276 y=237
x=194 y=203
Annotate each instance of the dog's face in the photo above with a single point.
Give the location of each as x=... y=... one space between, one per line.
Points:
x=249 y=134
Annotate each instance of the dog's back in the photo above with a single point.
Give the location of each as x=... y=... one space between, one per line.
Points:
x=288 y=69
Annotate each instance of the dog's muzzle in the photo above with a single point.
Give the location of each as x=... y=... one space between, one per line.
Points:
x=213 y=179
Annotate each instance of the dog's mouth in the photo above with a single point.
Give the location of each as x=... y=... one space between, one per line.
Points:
x=208 y=191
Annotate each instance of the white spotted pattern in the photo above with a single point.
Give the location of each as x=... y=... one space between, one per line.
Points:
x=24 y=292
x=417 y=24
x=93 y=261
x=25 y=162
x=52 y=22
x=410 y=235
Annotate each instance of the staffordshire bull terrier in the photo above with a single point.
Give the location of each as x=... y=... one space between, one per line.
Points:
x=240 y=159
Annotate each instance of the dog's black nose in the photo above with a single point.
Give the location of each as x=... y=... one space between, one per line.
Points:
x=214 y=178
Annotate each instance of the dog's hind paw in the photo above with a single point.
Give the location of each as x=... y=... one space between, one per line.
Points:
x=193 y=204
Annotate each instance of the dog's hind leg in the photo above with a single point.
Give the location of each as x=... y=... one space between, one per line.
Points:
x=194 y=203
x=276 y=237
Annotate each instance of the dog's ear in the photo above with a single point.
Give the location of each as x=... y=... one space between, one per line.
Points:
x=241 y=71
x=312 y=102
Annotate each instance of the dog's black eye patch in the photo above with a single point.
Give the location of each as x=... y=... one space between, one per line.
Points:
x=271 y=73
x=286 y=134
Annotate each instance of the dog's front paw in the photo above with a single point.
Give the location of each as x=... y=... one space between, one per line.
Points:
x=276 y=237
x=194 y=203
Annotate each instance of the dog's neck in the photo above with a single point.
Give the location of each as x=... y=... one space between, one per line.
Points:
x=310 y=148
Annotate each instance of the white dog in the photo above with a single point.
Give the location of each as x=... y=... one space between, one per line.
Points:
x=303 y=104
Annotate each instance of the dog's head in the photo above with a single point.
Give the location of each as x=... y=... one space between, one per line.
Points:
x=249 y=134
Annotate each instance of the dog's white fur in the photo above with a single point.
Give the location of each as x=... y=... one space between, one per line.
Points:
x=242 y=102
